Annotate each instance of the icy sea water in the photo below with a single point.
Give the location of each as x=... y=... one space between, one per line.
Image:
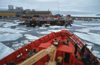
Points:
x=14 y=36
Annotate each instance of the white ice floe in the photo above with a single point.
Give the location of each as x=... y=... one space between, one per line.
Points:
x=22 y=29
x=9 y=24
x=42 y=28
x=87 y=30
x=89 y=37
x=31 y=37
x=17 y=46
x=89 y=45
x=78 y=25
x=94 y=28
x=25 y=41
x=48 y=32
x=1 y=24
x=9 y=37
x=54 y=30
x=4 y=50
x=44 y=32
x=8 y=30
x=90 y=23
x=96 y=53
x=56 y=26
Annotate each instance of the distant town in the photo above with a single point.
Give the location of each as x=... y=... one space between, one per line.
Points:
x=19 y=11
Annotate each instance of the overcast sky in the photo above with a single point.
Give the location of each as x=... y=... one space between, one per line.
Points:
x=62 y=5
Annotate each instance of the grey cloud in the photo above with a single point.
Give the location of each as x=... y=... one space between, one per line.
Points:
x=66 y=5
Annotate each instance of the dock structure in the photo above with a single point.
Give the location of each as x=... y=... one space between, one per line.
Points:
x=87 y=18
x=42 y=21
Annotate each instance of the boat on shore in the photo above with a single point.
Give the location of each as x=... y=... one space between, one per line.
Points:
x=56 y=48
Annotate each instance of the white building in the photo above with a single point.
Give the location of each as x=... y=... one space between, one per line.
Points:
x=19 y=9
x=10 y=8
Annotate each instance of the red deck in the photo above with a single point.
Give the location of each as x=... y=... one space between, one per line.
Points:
x=21 y=54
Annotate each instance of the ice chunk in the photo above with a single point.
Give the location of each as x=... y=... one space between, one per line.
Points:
x=56 y=26
x=8 y=30
x=9 y=24
x=48 y=32
x=22 y=29
x=86 y=30
x=78 y=25
x=42 y=28
x=96 y=53
x=89 y=45
x=4 y=50
x=54 y=30
x=83 y=30
x=91 y=24
x=89 y=37
x=44 y=32
x=31 y=37
x=9 y=37
x=17 y=46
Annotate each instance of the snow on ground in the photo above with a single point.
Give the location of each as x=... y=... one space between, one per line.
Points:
x=9 y=30
x=4 y=50
x=31 y=37
x=89 y=37
x=9 y=37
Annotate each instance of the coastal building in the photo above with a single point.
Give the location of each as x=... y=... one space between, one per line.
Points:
x=19 y=11
x=6 y=14
x=38 y=13
x=42 y=13
x=10 y=7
